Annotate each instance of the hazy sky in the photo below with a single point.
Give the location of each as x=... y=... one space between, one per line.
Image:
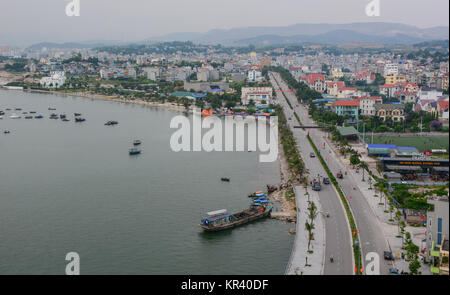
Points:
x=30 y=21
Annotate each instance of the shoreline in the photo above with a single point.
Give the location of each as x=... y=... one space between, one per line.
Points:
x=166 y=105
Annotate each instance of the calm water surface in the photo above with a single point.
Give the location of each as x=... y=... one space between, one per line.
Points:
x=67 y=186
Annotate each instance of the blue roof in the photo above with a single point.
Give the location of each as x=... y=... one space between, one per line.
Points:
x=385 y=146
x=405 y=148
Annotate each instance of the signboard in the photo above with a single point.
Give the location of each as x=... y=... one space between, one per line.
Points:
x=427 y=153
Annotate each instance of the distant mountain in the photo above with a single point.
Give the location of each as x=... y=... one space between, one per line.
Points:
x=386 y=33
x=333 y=37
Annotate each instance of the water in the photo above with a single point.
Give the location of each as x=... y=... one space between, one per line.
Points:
x=67 y=186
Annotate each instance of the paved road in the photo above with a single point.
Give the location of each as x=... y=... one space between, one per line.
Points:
x=337 y=236
x=371 y=236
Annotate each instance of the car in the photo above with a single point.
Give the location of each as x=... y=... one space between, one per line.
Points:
x=326 y=180
x=312 y=155
x=393 y=271
x=388 y=255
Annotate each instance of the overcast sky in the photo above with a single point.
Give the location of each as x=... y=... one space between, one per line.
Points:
x=28 y=21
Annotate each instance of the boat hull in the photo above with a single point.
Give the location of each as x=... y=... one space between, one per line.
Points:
x=237 y=223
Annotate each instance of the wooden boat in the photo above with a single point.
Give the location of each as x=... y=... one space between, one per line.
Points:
x=226 y=179
x=109 y=123
x=80 y=119
x=76 y=114
x=137 y=142
x=224 y=221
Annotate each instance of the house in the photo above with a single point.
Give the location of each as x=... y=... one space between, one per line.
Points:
x=367 y=77
x=429 y=93
x=366 y=104
x=315 y=81
x=332 y=87
x=442 y=109
x=394 y=111
x=344 y=92
x=347 y=108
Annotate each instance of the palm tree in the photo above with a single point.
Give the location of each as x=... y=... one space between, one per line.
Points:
x=309 y=227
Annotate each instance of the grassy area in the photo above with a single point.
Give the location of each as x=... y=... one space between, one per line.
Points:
x=421 y=143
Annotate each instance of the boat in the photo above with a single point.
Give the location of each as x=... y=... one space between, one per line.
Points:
x=2 y=113
x=24 y=113
x=222 y=220
x=51 y=109
x=76 y=114
x=134 y=151
x=18 y=109
x=53 y=116
x=28 y=117
x=32 y=112
x=80 y=119
x=62 y=116
x=257 y=194
x=226 y=179
x=65 y=119
x=137 y=142
x=38 y=117
x=6 y=132
x=271 y=188
x=109 y=123
x=14 y=116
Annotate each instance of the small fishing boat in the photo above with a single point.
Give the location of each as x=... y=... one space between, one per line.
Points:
x=14 y=116
x=109 y=123
x=51 y=109
x=8 y=109
x=38 y=117
x=18 y=109
x=53 y=116
x=2 y=113
x=24 y=113
x=134 y=151
x=32 y=112
x=80 y=119
x=226 y=179
x=222 y=220
x=137 y=142
x=62 y=116
x=6 y=132
x=257 y=194
x=65 y=120
x=76 y=114
x=28 y=117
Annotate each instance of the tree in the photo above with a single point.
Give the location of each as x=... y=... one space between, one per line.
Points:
x=354 y=159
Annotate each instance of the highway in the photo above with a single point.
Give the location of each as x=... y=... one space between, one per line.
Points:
x=371 y=236
x=338 y=239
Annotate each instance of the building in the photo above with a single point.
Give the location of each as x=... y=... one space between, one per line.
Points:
x=394 y=111
x=391 y=79
x=390 y=68
x=437 y=235
x=212 y=87
x=260 y=95
x=344 y=92
x=347 y=108
x=333 y=87
x=315 y=81
x=254 y=75
x=56 y=80
x=367 y=104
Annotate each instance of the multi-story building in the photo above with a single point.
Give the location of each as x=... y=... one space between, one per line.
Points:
x=367 y=104
x=390 y=69
x=315 y=81
x=437 y=235
x=260 y=95
x=347 y=108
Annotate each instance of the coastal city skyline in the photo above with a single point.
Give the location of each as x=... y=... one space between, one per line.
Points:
x=284 y=139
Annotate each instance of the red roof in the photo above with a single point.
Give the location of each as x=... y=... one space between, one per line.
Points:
x=338 y=83
x=443 y=104
x=348 y=88
x=346 y=103
x=312 y=78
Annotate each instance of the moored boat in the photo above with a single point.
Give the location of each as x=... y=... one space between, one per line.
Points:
x=109 y=123
x=38 y=117
x=134 y=151
x=137 y=142
x=226 y=179
x=222 y=220
x=14 y=116
x=80 y=119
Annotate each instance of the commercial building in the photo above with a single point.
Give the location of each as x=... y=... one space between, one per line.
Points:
x=260 y=95
x=347 y=108
x=437 y=235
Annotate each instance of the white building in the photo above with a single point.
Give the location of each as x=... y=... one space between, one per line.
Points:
x=367 y=105
x=259 y=95
x=390 y=69
x=254 y=75
x=56 y=79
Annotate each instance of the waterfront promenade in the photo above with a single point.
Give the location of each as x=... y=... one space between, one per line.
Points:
x=301 y=261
